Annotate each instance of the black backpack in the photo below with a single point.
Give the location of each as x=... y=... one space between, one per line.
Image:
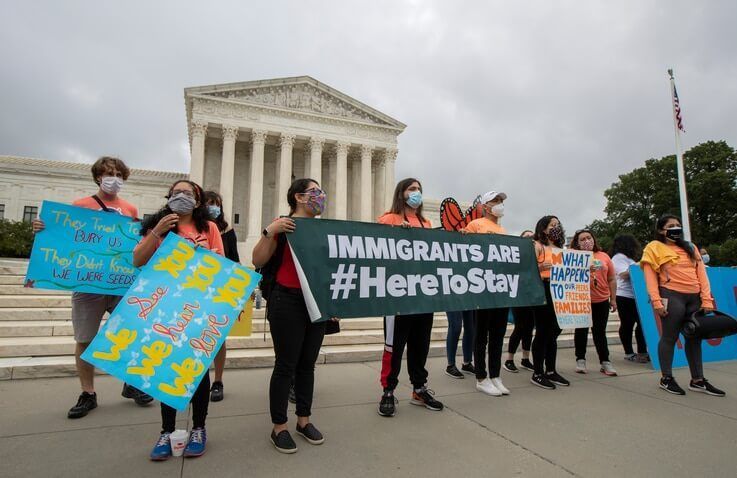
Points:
x=269 y=270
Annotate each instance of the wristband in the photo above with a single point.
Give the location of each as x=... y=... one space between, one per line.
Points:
x=155 y=234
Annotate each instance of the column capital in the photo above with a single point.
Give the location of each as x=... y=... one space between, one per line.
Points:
x=198 y=128
x=342 y=147
x=390 y=154
x=258 y=136
x=230 y=132
x=286 y=139
x=366 y=150
x=316 y=143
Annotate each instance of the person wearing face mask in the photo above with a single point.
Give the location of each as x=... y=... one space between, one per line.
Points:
x=297 y=340
x=678 y=286
x=214 y=203
x=490 y=324
x=603 y=287
x=705 y=257
x=109 y=174
x=185 y=214
x=411 y=330
x=524 y=323
x=548 y=234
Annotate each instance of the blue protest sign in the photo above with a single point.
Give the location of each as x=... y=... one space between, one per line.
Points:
x=83 y=250
x=165 y=332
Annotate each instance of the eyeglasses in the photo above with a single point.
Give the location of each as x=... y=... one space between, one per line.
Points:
x=314 y=192
x=182 y=191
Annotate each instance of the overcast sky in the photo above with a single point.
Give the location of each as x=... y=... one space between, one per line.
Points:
x=548 y=101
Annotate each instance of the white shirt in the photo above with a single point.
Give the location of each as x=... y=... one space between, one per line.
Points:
x=624 y=286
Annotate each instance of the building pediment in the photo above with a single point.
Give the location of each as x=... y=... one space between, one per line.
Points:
x=303 y=94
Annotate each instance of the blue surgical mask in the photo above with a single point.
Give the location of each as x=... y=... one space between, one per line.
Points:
x=414 y=200
x=705 y=258
x=213 y=211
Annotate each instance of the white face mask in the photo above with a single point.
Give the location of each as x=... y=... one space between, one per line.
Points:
x=498 y=209
x=111 y=184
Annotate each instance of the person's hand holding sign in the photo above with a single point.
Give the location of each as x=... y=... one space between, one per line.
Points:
x=280 y=225
x=38 y=225
x=166 y=224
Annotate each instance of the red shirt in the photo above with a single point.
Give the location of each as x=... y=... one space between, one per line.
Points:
x=287 y=276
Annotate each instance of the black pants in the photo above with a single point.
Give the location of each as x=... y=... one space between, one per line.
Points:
x=680 y=307
x=200 y=401
x=490 y=326
x=545 y=343
x=599 y=319
x=628 y=319
x=297 y=343
x=524 y=323
x=413 y=331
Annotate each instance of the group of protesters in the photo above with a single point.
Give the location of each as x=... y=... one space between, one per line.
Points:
x=674 y=271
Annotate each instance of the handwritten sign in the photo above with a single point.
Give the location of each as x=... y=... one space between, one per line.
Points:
x=83 y=250
x=570 y=279
x=165 y=332
x=244 y=323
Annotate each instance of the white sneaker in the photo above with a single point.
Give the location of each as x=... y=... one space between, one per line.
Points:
x=500 y=386
x=486 y=386
x=581 y=366
x=608 y=369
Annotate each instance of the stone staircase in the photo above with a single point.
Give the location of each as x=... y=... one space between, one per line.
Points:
x=36 y=338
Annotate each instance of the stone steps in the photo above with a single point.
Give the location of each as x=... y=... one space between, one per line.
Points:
x=35 y=301
x=15 y=314
x=18 y=289
x=12 y=279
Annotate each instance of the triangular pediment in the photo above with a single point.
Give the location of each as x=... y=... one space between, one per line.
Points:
x=303 y=94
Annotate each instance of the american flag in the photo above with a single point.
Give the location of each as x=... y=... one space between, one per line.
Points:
x=677 y=110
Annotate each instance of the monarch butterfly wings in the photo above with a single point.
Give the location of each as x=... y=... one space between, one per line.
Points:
x=452 y=218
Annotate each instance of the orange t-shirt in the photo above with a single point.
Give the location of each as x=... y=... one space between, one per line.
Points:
x=209 y=239
x=600 y=278
x=118 y=205
x=546 y=256
x=685 y=276
x=392 y=219
x=484 y=225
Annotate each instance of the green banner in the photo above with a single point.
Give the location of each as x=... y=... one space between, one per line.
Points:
x=357 y=269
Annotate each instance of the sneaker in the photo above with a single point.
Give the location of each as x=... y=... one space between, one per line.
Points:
x=216 y=392
x=196 y=444
x=452 y=371
x=311 y=434
x=141 y=399
x=509 y=366
x=542 y=381
x=292 y=395
x=643 y=358
x=500 y=386
x=85 y=403
x=387 y=405
x=669 y=385
x=581 y=366
x=424 y=397
x=468 y=368
x=608 y=369
x=487 y=386
x=527 y=365
x=557 y=379
x=283 y=442
x=704 y=386
x=162 y=449
x=630 y=357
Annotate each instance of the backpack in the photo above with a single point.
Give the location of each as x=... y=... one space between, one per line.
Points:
x=269 y=270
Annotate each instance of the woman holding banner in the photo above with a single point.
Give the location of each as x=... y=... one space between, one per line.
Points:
x=678 y=286
x=412 y=330
x=185 y=214
x=627 y=251
x=524 y=323
x=491 y=324
x=548 y=234
x=297 y=340
x=603 y=287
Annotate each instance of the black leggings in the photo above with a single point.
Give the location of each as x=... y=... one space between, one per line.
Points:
x=490 y=326
x=524 y=323
x=599 y=319
x=297 y=343
x=680 y=307
x=200 y=401
x=545 y=343
x=628 y=319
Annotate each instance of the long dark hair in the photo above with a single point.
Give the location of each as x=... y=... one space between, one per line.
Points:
x=398 y=203
x=575 y=245
x=298 y=186
x=680 y=242
x=628 y=245
x=200 y=216
x=540 y=234
x=212 y=196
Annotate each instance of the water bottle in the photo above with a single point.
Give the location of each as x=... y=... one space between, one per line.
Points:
x=257 y=299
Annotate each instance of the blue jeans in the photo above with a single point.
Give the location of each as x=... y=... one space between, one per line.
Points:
x=456 y=321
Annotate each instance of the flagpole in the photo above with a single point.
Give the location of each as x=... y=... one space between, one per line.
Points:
x=679 y=163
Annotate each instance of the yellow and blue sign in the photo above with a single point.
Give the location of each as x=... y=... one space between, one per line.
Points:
x=165 y=332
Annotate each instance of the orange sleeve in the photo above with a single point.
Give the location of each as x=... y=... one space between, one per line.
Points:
x=653 y=287
x=705 y=288
x=471 y=227
x=610 y=269
x=389 y=220
x=215 y=240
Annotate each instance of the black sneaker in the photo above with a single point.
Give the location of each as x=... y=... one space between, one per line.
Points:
x=283 y=442
x=424 y=397
x=311 y=434
x=387 y=405
x=704 y=386
x=468 y=368
x=669 y=384
x=85 y=403
x=557 y=379
x=216 y=392
x=542 y=381
x=527 y=365
x=452 y=371
x=141 y=399
x=292 y=395
x=509 y=366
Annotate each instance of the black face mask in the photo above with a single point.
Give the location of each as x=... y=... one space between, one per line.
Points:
x=674 y=233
